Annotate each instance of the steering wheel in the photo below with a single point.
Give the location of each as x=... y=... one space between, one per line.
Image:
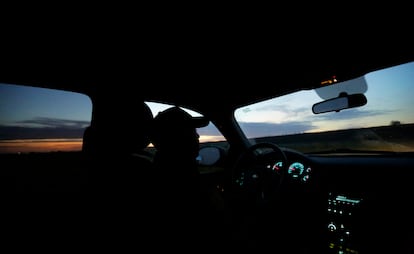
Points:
x=258 y=174
x=265 y=196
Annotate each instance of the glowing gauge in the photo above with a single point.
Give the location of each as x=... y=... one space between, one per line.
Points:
x=306 y=174
x=296 y=170
x=277 y=167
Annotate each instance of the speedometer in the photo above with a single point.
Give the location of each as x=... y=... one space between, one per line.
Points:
x=296 y=169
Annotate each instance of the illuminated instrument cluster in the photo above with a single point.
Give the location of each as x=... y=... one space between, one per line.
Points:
x=296 y=171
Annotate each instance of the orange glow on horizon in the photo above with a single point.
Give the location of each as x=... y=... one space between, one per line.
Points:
x=40 y=145
x=63 y=145
x=205 y=138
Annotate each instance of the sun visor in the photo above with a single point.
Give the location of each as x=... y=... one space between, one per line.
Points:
x=353 y=86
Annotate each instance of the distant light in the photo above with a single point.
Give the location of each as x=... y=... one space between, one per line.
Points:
x=329 y=81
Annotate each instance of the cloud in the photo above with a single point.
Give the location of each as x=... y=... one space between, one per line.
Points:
x=43 y=128
x=351 y=114
x=278 y=107
x=54 y=123
x=16 y=132
x=274 y=129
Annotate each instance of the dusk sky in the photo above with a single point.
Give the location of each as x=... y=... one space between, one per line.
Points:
x=28 y=113
x=389 y=93
x=39 y=119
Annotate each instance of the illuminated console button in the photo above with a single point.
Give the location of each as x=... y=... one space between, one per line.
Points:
x=332 y=227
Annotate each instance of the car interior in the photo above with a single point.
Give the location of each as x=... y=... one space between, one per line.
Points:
x=262 y=194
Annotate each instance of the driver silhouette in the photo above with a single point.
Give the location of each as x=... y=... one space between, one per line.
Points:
x=175 y=138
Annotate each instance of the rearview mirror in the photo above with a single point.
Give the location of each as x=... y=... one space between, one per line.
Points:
x=337 y=104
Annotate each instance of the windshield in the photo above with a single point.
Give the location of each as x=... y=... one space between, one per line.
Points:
x=385 y=123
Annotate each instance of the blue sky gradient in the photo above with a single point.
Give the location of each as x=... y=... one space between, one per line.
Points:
x=389 y=92
x=62 y=114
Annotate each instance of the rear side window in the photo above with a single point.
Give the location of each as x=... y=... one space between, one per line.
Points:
x=42 y=120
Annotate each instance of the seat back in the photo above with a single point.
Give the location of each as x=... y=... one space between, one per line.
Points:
x=118 y=146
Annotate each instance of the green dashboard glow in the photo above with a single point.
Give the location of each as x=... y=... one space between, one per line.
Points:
x=298 y=171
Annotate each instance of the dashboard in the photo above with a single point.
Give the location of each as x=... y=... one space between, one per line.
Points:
x=343 y=196
x=347 y=203
x=366 y=208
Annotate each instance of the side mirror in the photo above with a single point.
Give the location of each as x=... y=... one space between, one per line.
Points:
x=337 y=104
x=209 y=155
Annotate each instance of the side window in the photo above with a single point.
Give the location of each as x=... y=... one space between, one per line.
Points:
x=210 y=133
x=42 y=120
